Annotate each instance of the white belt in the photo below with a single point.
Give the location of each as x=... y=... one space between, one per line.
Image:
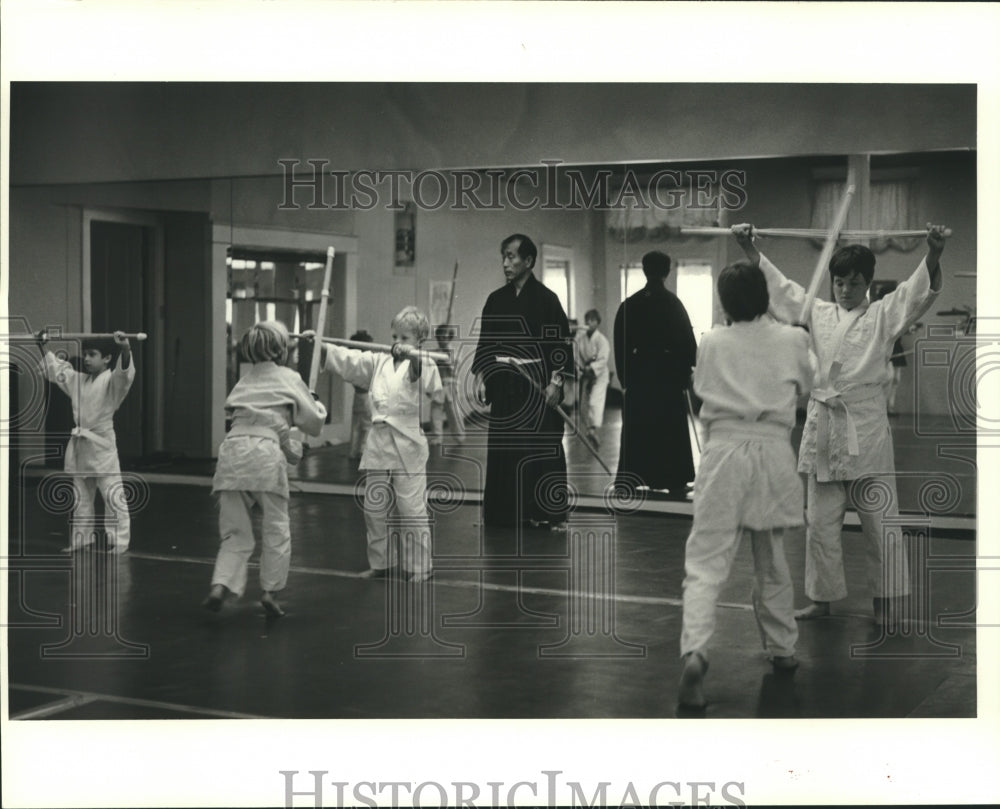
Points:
x=90 y=435
x=831 y=399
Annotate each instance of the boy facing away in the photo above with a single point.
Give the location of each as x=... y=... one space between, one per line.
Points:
x=252 y=470
x=846 y=448
x=92 y=452
x=748 y=375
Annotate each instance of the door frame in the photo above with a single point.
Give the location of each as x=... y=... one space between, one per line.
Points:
x=154 y=297
x=224 y=237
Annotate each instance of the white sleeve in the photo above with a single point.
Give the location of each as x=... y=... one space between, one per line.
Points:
x=786 y=296
x=58 y=371
x=356 y=367
x=121 y=380
x=906 y=303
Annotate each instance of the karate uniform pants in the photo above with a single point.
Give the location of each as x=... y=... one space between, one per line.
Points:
x=593 y=394
x=117 y=522
x=394 y=499
x=708 y=560
x=885 y=556
x=236 y=531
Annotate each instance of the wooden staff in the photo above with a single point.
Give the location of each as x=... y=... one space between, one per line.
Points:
x=381 y=348
x=694 y=419
x=53 y=338
x=565 y=416
x=451 y=295
x=806 y=233
x=321 y=319
x=827 y=251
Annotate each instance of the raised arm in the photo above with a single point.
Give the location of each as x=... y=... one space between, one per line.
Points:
x=123 y=372
x=786 y=296
x=936 y=236
x=57 y=371
x=905 y=304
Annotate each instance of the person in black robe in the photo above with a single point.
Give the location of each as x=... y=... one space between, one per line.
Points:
x=523 y=321
x=655 y=351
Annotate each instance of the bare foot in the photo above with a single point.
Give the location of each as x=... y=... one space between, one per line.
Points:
x=784 y=663
x=417 y=578
x=215 y=598
x=818 y=609
x=269 y=603
x=689 y=693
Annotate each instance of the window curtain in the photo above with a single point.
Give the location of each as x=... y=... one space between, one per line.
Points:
x=634 y=218
x=892 y=207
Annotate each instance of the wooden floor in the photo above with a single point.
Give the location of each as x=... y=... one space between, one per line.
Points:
x=516 y=625
x=503 y=631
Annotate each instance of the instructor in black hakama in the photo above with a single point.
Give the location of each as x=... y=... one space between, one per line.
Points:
x=654 y=353
x=523 y=321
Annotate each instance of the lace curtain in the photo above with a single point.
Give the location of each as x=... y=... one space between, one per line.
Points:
x=893 y=207
x=634 y=218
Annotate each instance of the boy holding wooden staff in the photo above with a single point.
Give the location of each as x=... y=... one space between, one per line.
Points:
x=92 y=452
x=846 y=448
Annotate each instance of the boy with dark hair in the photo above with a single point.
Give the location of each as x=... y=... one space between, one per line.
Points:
x=846 y=444
x=748 y=375
x=92 y=452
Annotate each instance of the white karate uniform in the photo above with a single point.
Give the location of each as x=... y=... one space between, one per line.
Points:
x=395 y=454
x=595 y=350
x=748 y=376
x=92 y=452
x=846 y=447
x=252 y=469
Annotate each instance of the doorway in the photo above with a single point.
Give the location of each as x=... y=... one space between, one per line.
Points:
x=121 y=298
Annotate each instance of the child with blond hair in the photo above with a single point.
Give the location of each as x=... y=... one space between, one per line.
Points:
x=395 y=454
x=252 y=469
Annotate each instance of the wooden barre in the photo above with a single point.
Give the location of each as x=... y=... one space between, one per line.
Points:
x=381 y=348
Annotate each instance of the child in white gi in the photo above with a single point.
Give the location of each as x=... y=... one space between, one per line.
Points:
x=361 y=410
x=748 y=375
x=395 y=456
x=846 y=448
x=252 y=467
x=592 y=353
x=445 y=404
x=92 y=452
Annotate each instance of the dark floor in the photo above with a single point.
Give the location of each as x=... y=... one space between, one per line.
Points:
x=515 y=624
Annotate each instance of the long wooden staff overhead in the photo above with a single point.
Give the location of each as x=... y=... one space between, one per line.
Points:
x=804 y=233
x=451 y=296
x=827 y=251
x=321 y=319
x=55 y=337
